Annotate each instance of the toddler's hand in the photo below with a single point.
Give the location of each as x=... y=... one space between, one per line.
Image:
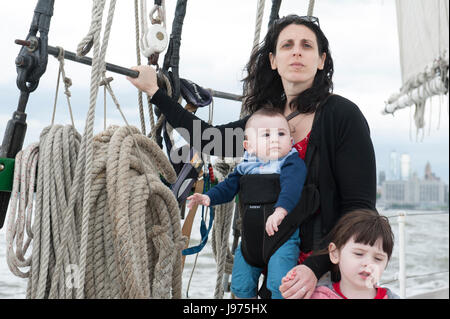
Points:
x=275 y=220
x=198 y=199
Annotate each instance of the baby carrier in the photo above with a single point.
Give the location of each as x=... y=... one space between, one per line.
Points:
x=258 y=194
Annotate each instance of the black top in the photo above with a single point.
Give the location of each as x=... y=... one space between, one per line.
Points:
x=347 y=174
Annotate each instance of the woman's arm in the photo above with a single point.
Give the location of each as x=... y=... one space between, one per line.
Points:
x=221 y=140
x=355 y=167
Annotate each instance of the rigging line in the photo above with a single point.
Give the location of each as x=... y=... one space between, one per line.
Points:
x=192 y=273
x=259 y=18
x=86 y=148
x=311 y=7
x=56 y=96
x=138 y=60
x=67 y=83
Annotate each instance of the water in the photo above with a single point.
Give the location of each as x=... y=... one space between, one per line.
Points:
x=427 y=251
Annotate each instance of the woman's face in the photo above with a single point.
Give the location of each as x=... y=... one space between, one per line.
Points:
x=297 y=56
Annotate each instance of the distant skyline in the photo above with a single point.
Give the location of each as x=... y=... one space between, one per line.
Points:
x=414 y=168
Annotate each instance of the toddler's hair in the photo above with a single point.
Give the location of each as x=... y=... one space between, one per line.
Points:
x=366 y=227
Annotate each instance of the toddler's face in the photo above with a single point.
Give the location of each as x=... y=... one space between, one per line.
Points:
x=268 y=138
x=360 y=265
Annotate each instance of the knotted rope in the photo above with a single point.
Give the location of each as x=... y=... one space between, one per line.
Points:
x=67 y=84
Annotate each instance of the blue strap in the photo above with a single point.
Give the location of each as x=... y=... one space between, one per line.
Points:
x=204 y=232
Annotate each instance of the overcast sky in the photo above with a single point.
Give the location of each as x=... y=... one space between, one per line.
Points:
x=216 y=42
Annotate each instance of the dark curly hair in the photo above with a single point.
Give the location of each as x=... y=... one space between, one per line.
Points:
x=263 y=85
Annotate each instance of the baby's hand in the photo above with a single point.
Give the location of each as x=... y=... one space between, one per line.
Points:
x=275 y=220
x=289 y=276
x=198 y=199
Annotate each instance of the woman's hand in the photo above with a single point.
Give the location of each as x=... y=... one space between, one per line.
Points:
x=146 y=81
x=299 y=283
x=198 y=199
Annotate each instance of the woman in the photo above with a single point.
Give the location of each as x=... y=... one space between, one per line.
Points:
x=292 y=69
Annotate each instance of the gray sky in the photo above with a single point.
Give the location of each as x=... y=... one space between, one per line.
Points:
x=216 y=42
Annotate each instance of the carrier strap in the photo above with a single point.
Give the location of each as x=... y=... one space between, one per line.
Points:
x=204 y=232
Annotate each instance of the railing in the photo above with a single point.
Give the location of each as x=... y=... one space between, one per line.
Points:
x=402 y=255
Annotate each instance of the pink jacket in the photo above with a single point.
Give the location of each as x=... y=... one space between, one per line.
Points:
x=323 y=292
x=328 y=291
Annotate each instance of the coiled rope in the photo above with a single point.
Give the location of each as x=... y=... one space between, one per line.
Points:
x=134 y=240
x=105 y=225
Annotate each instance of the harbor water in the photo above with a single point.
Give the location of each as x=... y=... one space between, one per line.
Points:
x=427 y=263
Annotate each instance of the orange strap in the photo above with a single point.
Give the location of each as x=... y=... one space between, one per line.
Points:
x=189 y=220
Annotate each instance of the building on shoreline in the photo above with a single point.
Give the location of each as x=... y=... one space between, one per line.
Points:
x=427 y=193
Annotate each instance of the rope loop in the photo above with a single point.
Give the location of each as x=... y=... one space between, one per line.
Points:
x=67 y=84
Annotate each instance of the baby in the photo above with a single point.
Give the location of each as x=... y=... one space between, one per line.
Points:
x=268 y=150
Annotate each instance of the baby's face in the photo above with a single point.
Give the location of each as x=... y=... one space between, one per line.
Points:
x=268 y=138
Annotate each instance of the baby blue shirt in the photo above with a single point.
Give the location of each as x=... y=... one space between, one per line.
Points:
x=292 y=170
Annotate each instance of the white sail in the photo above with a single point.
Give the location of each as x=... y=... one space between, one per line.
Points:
x=423 y=29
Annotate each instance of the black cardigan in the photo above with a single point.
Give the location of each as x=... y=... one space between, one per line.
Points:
x=347 y=174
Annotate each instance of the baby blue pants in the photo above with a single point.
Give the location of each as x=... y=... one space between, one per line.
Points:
x=244 y=280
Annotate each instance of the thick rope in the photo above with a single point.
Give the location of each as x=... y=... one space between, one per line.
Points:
x=135 y=242
x=98 y=68
x=58 y=152
x=65 y=222
x=221 y=232
x=256 y=38
x=146 y=230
